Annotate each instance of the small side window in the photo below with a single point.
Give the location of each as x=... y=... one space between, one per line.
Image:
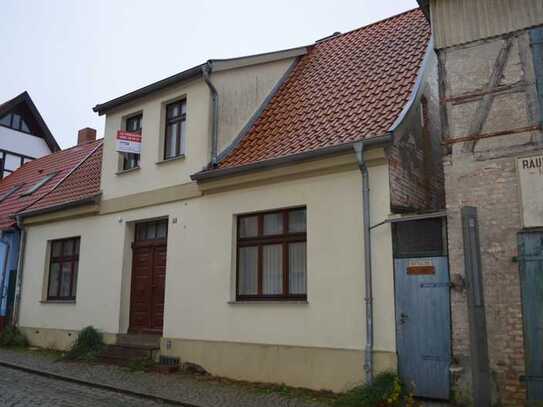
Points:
x=133 y=125
x=63 y=268
x=175 y=136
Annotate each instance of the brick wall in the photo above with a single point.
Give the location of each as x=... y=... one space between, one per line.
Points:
x=482 y=173
x=415 y=165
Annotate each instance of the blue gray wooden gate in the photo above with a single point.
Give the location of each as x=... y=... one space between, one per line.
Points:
x=423 y=324
x=531 y=279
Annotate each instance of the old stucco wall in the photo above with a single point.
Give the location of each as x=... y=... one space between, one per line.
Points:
x=241 y=92
x=456 y=22
x=483 y=173
x=200 y=320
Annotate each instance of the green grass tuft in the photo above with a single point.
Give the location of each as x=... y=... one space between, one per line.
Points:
x=13 y=338
x=87 y=346
x=387 y=390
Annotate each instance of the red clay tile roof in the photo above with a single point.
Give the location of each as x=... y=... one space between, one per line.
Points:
x=83 y=182
x=64 y=164
x=346 y=88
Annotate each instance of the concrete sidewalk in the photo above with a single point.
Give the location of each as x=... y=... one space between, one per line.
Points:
x=177 y=389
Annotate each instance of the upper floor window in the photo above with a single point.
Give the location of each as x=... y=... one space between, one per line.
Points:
x=9 y=162
x=15 y=121
x=133 y=125
x=271 y=255
x=175 y=137
x=63 y=266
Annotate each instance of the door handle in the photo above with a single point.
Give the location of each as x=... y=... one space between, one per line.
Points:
x=403 y=318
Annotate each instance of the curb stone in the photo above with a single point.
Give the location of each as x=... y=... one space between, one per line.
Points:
x=147 y=396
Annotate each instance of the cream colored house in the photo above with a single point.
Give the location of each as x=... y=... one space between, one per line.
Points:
x=237 y=235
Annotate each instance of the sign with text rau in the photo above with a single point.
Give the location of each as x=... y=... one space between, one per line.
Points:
x=530 y=171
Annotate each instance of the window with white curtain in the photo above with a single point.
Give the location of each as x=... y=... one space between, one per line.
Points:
x=271 y=255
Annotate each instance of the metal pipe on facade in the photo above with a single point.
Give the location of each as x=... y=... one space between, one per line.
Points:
x=206 y=71
x=368 y=353
x=3 y=293
x=19 y=278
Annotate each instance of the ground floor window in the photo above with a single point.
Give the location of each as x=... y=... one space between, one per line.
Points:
x=272 y=255
x=63 y=266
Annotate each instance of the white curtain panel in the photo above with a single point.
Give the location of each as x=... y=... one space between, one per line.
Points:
x=272 y=269
x=297 y=268
x=248 y=280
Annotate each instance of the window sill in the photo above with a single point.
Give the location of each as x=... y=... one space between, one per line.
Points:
x=169 y=160
x=57 y=302
x=121 y=172
x=269 y=302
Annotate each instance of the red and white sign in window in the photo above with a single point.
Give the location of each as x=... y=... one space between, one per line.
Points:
x=128 y=142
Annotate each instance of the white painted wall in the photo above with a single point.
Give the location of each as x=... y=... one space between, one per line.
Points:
x=241 y=92
x=22 y=143
x=199 y=277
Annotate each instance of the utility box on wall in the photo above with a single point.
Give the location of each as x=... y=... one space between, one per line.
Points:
x=530 y=171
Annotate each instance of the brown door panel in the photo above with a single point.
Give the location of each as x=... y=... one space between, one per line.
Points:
x=148 y=286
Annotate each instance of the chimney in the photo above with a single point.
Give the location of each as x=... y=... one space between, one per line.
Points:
x=86 y=135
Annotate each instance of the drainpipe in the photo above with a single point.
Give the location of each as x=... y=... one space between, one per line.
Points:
x=19 y=279
x=368 y=353
x=206 y=71
x=3 y=293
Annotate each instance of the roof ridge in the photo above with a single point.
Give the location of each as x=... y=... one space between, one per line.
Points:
x=99 y=144
x=37 y=160
x=333 y=37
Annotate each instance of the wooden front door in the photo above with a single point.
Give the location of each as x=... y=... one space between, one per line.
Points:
x=148 y=277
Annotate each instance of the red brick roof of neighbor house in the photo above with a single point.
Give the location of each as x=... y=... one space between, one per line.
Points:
x=346 y=88
x=77 y=176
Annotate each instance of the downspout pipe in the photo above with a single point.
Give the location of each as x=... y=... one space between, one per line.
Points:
x=368 y=286
x=206 y=71
x=19 y=278
x=5 y=270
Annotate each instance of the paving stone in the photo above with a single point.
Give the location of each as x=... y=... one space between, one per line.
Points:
x=18 y=388
x=180 y=387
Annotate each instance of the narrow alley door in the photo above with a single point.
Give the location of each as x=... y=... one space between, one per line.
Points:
x=531 y=279
x=423 y=319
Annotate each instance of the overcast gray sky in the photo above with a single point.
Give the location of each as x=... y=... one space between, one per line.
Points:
x=72 y=54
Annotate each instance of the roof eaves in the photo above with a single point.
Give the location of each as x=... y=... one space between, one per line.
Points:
x=248 y=60
x=206 y=175
x=217 y=65
x=146 y=90
x=93 y=199
x=417 y=87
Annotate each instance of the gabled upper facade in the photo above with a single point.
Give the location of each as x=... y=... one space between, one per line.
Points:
x=176 y=118
x=229 y=116
x=24 y=136
x=347 y=88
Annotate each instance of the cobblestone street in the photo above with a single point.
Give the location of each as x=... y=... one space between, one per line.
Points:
x=21 y=389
